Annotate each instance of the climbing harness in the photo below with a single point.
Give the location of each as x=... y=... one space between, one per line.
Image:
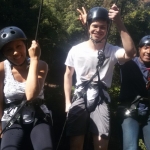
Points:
x=14 y=117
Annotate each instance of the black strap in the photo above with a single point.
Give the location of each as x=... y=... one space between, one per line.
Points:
x=100 y=87
x=15 y=116
x=135 y=102
x=137 y=99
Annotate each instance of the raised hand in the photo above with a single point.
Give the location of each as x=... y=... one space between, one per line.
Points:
x=82 y=16
x=114 y=14
x=34 y=50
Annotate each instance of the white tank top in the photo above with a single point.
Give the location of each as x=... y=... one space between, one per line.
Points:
x=14 y=90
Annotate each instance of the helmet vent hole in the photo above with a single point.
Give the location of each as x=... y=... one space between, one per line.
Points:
x=12 y=32
x=4 y=35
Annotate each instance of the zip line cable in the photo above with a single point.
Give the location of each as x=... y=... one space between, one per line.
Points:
x=36 y=34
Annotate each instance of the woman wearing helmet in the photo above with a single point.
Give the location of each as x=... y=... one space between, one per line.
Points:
x=83 y=59
x=22 y=78
x=133 y=111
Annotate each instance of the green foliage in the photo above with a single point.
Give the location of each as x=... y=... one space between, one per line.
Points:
x=59 y=30
x=138 y=23
x=141 y=145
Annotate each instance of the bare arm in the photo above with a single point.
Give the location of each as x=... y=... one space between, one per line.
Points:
x=1 y=90
x=37 y=72
x=128 y=44
x=68 y=85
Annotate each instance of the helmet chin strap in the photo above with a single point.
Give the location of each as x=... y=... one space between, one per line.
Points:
x=95 y=41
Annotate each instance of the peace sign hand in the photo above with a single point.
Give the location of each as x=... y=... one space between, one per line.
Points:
x=82 y=16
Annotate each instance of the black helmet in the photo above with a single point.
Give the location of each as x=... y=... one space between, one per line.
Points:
x=144 y=41
x=97 y=13
x=9 y=34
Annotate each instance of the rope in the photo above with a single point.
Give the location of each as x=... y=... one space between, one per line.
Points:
x=62 y=132
x=41 y=5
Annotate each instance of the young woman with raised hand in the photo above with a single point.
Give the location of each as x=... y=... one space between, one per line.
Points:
x=22 y=78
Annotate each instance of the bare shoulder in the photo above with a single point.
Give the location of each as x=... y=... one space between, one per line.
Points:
x=1 y=70
x=43 y=65
x=1 y=66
